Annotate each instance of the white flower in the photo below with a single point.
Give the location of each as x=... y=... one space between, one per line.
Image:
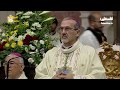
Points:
x=28 y=13
x=32 y=47
x=25 y=17
x=42 y=42
x=20 y=37
x=44 y=12
x=3 y=40
x=3 y=34
x=35 y=42
x=10 y=19
x=36 y=24
x=31 y=33
x=28 y=30
x=42 y=51
x=46 y=35
x=15 y=39
x=32 y=52
x=33 y=28
x=11 y=38
x=36 y=50
x=18 y=13
x=30 y=60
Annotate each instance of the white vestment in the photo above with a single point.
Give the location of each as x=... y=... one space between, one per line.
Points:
x=88 y=38
x=23 y=76
x=83 y=61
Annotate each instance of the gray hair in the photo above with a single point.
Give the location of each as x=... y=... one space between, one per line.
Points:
x=18 y=58
x=92 y=16
x=21 y=60
x=77 y=25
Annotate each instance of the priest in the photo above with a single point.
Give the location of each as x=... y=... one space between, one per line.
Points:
x=72 y=60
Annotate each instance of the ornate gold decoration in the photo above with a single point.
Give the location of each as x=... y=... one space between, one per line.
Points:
x=111 y=61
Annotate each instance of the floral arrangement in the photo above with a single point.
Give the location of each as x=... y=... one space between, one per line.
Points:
x=27 y=33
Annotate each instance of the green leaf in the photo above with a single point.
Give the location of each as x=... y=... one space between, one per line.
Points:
x=44 y=12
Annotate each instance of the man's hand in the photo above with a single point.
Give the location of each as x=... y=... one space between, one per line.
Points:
x=67 y=76
x=63 y=76
x=57 y=75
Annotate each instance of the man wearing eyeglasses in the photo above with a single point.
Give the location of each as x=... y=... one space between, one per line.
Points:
x=94 y=36
x=14 y=66
x=72 y=60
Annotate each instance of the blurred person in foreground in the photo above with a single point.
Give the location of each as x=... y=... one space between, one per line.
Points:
x=14 y=66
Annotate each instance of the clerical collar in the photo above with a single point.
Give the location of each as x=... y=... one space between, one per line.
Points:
x=64 y=47
x=72 y=48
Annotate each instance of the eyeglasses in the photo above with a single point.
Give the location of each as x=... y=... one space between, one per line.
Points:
x=10 y=62
x=66 y=29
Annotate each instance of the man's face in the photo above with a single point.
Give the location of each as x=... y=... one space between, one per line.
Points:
x=68 y=33
x=15 y=66
x=97 y=23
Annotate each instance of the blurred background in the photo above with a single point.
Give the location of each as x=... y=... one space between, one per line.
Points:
x=111 y=31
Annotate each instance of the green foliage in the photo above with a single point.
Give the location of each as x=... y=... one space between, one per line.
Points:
x=27 y=33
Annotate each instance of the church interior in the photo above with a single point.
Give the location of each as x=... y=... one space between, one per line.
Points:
x=109 y=52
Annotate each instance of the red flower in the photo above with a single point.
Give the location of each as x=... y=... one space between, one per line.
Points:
x=4 y=43
x=2 y=46
x=26 y=42
x=35 y=38
x=29 y=38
